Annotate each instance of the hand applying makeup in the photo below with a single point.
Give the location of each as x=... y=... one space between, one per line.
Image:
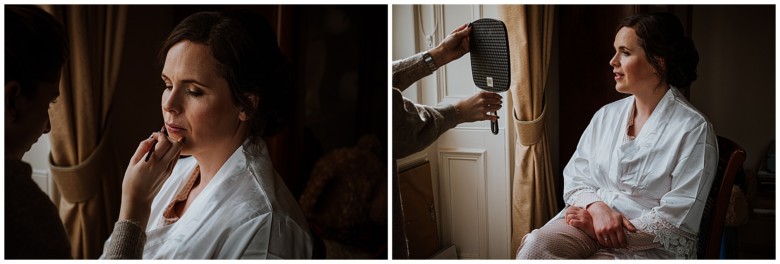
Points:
x=151 y=150
x=145 y=175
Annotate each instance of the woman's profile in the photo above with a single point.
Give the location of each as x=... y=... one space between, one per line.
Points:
x=636 y=185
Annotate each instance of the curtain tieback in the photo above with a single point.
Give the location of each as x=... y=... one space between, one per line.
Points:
x=530 y=132
x=80 y=182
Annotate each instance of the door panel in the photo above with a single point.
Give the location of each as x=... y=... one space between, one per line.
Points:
x=469 y=165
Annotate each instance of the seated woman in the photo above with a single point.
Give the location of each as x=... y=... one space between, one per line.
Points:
x=225 y=88
x=637 y=184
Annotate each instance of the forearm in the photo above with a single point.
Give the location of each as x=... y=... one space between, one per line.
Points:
x=127 y=241
x=409 y=70
x=417 y=126
x=129 y=237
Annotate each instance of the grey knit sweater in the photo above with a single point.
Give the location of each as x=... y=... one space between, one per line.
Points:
x=416 y=126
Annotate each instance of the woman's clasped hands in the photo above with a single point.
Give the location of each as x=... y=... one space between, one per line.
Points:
x=601 y=223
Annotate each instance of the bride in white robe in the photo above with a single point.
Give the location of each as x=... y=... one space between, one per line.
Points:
x=224 y=91
x=246 y=211
x=659 y=180
x=636 y=186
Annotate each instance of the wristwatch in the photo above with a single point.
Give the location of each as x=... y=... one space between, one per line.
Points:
x=429 y=61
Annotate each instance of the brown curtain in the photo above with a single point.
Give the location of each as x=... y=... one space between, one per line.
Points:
x=530 y=30
x=85 y=166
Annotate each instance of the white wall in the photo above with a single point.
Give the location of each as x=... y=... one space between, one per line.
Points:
x=38 y=157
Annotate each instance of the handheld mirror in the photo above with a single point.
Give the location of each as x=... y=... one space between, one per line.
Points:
x=489 y=49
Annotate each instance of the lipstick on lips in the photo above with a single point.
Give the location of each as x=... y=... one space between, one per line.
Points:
x=149 y=154
x=618 y=76
x=173 y=129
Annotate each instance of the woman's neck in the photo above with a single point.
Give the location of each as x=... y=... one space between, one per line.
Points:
x=646 y=102
x=212 y=159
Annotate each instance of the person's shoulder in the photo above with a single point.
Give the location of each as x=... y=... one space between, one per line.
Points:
x=686 y=112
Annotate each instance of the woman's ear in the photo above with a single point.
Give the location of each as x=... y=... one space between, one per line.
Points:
x=12 y=91
x=244 y=114
x=661 y=65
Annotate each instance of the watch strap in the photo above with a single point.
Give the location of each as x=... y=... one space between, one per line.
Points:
x=429 y=61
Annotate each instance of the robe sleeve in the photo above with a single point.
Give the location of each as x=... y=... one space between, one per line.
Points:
x=675 y=222
x=272 y=236
x=579 y=185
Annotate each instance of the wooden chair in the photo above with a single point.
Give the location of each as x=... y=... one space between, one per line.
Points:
x=730 y=158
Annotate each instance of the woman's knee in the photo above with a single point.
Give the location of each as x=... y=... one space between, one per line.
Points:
x=556 y=240
x=535 y=245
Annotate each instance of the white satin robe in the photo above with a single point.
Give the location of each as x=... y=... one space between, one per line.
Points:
x=659 y=181
x=246 y=211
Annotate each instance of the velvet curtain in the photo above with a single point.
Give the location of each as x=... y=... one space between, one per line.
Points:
x=85 y=165
x=530 y=31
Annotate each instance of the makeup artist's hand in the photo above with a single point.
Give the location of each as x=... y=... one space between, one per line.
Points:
x=476 y=107
x=454 y=46
x=143 y=179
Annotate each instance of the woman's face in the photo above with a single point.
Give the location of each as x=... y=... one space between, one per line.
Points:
x=632 y=72
x=197 y=103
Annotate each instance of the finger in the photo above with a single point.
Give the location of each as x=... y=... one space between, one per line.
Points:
x=613 y=238
x=493 y=107
x=172 y=163
x=621 y=239
x=163 y=146
x=490 y=117
x=173 y=150
x=577 y=223
x=172 y=158
x=628 y=225
x=494 y=101
x=464 y=26
x=605 y=241
x=169 y=169
x=142 y=149
x=489 y=102
x=489 y=95
x=581 y=214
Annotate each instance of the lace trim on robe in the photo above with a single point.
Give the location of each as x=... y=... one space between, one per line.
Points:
x=581 y=196
x=675 y=240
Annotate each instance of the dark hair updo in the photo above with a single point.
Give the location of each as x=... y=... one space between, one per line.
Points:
x=36 y=46
x=662 y=36
x=248 y=57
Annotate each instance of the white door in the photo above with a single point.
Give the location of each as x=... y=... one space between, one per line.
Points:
x=470 y=165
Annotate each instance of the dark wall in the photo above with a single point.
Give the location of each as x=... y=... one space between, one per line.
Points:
x=585 y=47
x=137 y=98
x=737 y=74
